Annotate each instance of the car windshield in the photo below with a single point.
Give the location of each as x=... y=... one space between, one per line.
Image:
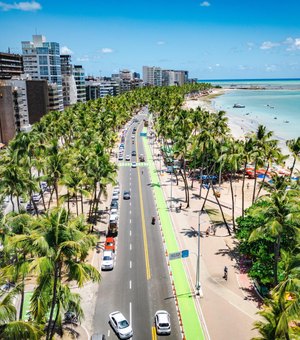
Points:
x=123 y=324
x=109 y=243
x=163 y=325
x=106 y=258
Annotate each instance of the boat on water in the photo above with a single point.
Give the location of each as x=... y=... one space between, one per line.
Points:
x=238 y=106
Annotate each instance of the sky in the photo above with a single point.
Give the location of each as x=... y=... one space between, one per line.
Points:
x=214 y=39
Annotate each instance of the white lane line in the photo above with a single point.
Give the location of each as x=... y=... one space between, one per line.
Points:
x=130 y=232
x=130 y=223
x=130 y=264
x=130 y=314
x=130 y=212
x=129 y=284
x=130 y=247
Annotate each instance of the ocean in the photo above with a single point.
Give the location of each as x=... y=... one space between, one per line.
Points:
x=274 y=103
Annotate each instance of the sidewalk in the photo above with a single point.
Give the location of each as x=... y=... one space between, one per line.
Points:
x=227 y=309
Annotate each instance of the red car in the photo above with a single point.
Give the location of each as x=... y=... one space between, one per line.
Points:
x=110 y=244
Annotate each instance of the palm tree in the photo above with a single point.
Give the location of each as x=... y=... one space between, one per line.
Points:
x=61 y=247
x=12 y=329
x=280 y=208
x=294 y=147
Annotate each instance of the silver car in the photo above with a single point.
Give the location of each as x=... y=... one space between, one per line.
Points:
x=162 y=322
x=120 y=325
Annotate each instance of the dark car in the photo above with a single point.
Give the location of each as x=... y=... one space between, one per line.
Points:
x=126 y=195
x=133 y=153
x=114 y=204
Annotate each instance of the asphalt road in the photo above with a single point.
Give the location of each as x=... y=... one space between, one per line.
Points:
x=139 y=285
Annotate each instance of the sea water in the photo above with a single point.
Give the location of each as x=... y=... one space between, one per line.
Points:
x=272 y=103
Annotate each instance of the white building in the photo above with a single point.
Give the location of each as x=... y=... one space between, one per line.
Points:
x=41 y=60
x=152 y=75
x=68 y=81
x=174 y=77
x=78 y=72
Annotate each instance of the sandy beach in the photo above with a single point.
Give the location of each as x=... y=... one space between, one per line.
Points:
x=240 y=126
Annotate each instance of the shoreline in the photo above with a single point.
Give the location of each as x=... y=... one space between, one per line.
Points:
x=239 y=126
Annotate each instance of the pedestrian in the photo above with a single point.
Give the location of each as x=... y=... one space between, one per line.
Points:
x=225 y=273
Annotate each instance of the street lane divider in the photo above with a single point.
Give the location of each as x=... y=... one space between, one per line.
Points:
x=154 y=336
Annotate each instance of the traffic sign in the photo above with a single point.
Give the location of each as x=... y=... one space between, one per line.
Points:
x=179 y=254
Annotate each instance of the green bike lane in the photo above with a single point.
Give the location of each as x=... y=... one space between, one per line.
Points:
x=189 y=316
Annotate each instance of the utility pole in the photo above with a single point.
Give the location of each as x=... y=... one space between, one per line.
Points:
x=198 y=284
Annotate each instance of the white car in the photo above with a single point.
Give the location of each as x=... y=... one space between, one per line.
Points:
x=133 y=164
x=114 y=211
x=115 y=196
x=127 y=158
x=162 y=322
x=107 y=260
x=120 y=325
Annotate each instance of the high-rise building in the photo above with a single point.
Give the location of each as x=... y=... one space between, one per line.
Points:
x=152 y=75
x=174 y=77
x=41 y=60
x=68 y=80
x=79 y=76
x=11 y=65
x=99 y=89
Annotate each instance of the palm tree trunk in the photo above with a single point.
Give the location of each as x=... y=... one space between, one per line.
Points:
x=76 y=204
x=56 y=192
x=243 y=190
x=220 y=206
x=50 y=198
x=12 y=202
x=205 y=199
x=81 y=197
x=292 y=168
x=255 y=179
x=53 y=303
x=232 y=201
x=263 y=181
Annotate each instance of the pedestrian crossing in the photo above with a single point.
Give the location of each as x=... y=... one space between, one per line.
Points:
x=130 y=164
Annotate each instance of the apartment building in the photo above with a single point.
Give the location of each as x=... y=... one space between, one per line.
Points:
x=41 y=60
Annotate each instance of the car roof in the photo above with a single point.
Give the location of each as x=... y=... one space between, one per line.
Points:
x=110 y=239
x=107 y=253
x=163 y=315
x=118 y=316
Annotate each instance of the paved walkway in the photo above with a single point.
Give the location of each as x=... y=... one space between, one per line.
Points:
x=227 y=309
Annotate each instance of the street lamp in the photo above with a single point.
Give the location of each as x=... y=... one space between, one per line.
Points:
x=198 y=284
x=171 y=185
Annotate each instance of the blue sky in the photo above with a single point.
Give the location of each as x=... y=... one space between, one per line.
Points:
x=214 y=39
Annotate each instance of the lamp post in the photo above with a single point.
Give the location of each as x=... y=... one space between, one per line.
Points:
x=198 y=284
x=171 y=186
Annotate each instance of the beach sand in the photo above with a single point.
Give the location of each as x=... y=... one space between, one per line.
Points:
x=239 y=126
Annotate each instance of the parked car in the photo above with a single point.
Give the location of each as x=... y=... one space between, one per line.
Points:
x=36 y=197
x=116 y=190
x=114 y=204
x=115 y=196
x=120 y=158
x=107 y=260
x=110 y=244
x=120 y=325
x=162 y=322
x=126 y=195
x=98 y=336
x=29 y=207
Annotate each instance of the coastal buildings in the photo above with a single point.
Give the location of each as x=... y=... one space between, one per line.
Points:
x=174 y=77
x=152 y=75
x=78 y=72
x=68 y=81
x=99 y=88
x=11 y=65
x=41 y=60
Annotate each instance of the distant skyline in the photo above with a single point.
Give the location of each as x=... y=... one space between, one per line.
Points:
x=214 y=39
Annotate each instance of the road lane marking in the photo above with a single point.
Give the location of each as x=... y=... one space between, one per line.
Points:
x=129 y=284
x=130 y=264
x=154 y=336
x=148 y=272
x=130 y=232
x=130 y=314
x=130 y=247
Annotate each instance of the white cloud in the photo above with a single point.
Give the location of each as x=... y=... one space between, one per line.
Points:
x=217 y=65
x=205 y=4
x=107 y=50
x=65 y=50
x=83 y=58
x=271 y=68
x=22 y=6
x=161 y=42
x=267 y=45
x=293 y=44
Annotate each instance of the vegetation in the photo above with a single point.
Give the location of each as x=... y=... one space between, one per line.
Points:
x=71 y=151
